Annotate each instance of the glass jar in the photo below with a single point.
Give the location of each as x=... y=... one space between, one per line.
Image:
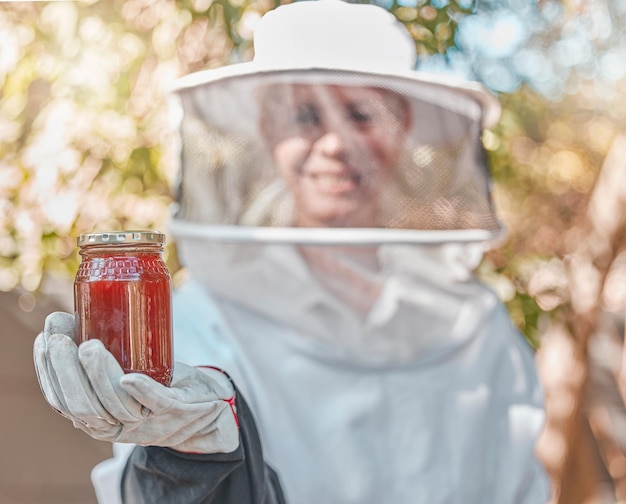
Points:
x=122 y=296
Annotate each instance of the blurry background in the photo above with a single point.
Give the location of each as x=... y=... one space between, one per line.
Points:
x=85 y=145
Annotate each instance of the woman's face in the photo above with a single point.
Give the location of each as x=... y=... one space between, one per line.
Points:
x=336 y=148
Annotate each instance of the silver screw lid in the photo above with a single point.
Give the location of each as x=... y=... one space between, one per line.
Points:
x=121 y=238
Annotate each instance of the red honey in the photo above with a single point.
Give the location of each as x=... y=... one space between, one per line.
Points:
x=122 y=296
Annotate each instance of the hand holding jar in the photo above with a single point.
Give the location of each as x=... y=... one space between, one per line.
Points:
x=86 y=385
x=110 y=369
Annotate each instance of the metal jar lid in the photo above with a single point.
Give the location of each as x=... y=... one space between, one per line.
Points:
x=121 y=238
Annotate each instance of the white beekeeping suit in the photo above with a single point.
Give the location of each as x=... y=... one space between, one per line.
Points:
x=332 y=205
x=378 y=368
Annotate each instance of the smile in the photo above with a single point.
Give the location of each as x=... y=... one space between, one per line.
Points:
x=335 y=183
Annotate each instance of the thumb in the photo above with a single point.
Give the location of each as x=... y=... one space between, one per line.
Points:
x=148 y=392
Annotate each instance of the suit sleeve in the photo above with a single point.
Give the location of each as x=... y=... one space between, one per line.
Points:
x=156 y=474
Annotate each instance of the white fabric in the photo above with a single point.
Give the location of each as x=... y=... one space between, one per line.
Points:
x=454 y=427
x=430 y=396
x=290 y=37
x=412 y=287
x=106 y=477
x=454 y=420
x=341 y=236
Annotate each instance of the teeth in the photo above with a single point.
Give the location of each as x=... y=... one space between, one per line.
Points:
x=330 y=179
x=331 y=182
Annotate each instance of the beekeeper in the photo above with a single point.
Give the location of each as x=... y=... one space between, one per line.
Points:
x=332 y=342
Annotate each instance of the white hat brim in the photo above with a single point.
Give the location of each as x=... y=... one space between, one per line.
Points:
x=409 y=82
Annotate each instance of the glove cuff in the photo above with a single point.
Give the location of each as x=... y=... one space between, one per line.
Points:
x=230 y=400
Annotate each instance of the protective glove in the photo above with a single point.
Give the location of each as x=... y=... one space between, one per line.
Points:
x=87 y=385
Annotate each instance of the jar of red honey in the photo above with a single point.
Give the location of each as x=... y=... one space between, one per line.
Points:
x=122 y=296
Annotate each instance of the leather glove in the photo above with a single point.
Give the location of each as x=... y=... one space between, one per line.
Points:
x=87 y=385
